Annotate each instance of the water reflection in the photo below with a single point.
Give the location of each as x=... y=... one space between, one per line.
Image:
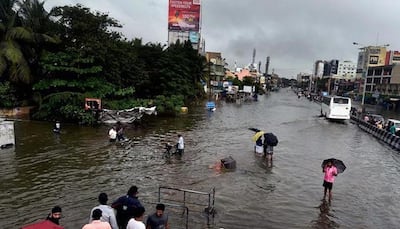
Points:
x=325 y=218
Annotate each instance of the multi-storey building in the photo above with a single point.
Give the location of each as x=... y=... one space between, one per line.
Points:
x=381 y=69
x=346 y=70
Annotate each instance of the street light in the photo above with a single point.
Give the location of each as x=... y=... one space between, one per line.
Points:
x=365 y=68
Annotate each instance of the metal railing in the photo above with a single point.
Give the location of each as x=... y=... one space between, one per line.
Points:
x=190 y=200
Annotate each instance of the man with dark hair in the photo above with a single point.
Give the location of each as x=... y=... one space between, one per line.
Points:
x=125 y=206
x=55 y=215
x=96 y=222
x=158 y=220
x=137 y=221
x=107 y=212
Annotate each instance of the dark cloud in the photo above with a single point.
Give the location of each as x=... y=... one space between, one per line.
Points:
x=294 y=33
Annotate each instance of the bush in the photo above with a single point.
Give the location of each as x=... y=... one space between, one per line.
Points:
x=7 y=95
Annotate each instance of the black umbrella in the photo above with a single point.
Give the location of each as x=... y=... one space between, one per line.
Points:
x=337 y=163
x=254 y=129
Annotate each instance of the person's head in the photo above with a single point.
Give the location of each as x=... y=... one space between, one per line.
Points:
x=138 y=212
x=329 y=164
x=96 y=215
x=103 y=198
x=179 y=135
x=55 y=214
x=160 y=209
x=133 y=190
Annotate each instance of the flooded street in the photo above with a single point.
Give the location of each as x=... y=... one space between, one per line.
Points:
x=72 y=168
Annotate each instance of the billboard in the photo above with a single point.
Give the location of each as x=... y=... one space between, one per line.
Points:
x=392 y=57
x=184 y=15
x=376 y=56
x=194 y=37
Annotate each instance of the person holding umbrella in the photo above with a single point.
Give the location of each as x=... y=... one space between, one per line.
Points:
x=330 y=172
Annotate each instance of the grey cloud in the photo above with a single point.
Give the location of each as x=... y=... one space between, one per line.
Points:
x=294 y=33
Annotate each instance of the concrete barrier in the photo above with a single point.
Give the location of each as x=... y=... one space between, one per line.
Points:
x=381 y=134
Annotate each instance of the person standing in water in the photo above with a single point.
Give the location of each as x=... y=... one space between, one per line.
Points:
x=112 y=134
x=120 y=131
x=180 y=145
x=330 y=172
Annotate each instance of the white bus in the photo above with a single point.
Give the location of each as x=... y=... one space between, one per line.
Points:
x=336 y=107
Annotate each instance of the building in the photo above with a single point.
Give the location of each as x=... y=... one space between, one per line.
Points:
x=216 y=70
x=330 y=68
x=318 y=69
x=383 y=80
x=304 y=81
x=347 y=70
x=216 y=65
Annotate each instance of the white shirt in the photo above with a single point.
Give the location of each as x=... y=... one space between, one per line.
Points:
x=133 y=224
x=107 y=215
x=181 y=143
x=112 y=133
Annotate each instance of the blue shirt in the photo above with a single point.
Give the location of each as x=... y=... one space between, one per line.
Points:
x=124 y=206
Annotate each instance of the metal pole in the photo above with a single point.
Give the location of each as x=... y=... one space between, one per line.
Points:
x=364 y=88
x=365 y=73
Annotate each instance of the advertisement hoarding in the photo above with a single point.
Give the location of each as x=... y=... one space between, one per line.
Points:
x=184 y=15
x=194 y=37
x=376 y=56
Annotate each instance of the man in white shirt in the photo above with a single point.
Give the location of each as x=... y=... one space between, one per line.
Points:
x=137 y=221
x=107 y=212
x=112 y=134
x=180 y=145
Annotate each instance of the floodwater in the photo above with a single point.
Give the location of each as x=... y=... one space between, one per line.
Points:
x=72 y=168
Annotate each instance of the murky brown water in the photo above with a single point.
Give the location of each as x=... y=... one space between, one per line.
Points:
x=71 y=169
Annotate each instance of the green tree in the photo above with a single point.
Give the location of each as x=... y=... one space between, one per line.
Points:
x=12 y=35
x=18 y=39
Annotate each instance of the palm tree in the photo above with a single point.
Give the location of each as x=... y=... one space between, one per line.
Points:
x=21 y=30
x=12 y=60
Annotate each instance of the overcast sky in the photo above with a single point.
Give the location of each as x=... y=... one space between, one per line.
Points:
x=294 y=33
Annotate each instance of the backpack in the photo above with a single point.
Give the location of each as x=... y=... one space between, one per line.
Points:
x=270 y=139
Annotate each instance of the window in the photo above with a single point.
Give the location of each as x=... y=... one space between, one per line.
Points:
x=341 y=100
x=378 y=72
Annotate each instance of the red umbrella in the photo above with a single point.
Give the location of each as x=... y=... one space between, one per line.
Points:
x=43 y=224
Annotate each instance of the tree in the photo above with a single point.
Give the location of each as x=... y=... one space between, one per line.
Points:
x=12 y=36
x=18 y=39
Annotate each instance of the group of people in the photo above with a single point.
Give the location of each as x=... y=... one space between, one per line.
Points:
x=116 y=133
x=389 y=126
x=126 y=212
x=265 y=147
